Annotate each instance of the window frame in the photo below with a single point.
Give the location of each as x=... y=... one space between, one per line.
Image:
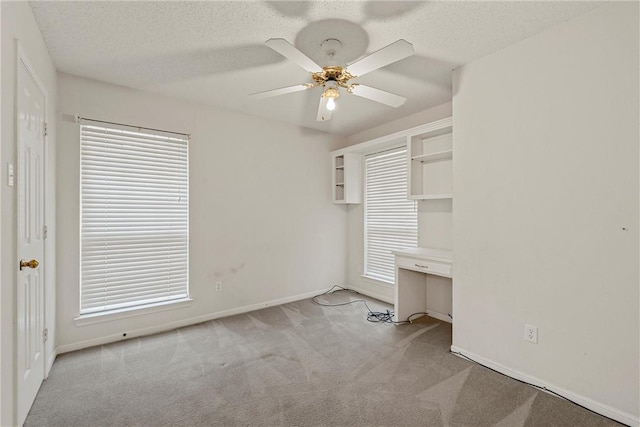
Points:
x=367 y=273
x=90 y=316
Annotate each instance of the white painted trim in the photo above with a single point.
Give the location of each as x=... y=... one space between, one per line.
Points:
x=182 y=323
x=588 y=403
x=377 y=281
x=399 y=137
x=52 y=358
x=22 y=58
x=371 y=294
x=93 y=318
x=439 y=316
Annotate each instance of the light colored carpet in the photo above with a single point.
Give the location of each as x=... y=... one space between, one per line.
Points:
x=296 y=364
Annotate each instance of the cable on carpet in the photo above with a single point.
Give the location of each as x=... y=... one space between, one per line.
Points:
x=537 y=387
x=372 y=316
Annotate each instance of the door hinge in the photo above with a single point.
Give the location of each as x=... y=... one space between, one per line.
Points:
x=45 y=334
x=45 y=129
x=45 y=231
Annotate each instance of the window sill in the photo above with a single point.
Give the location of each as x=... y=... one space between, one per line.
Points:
x=93 y=318
x=377 y=280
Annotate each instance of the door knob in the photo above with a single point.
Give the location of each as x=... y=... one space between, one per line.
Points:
x=31 y=264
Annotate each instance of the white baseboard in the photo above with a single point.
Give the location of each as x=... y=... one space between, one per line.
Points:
x=371 y=294
x=439 y=316
x=588 y=403
x=180 y=323
x=52 y=358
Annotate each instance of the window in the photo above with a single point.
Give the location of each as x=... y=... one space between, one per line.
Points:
x=134 y=217
x=391 y=221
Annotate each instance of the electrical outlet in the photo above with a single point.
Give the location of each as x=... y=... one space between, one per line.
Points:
x=218 y=286
x=531 y=333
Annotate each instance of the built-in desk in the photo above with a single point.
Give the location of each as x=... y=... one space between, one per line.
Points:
x=411 y=267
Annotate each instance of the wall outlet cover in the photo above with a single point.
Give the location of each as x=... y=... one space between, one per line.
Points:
x=531 y=333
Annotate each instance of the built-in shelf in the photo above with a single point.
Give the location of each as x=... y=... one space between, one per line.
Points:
x=436 y=196
x=346 y=175
x=432 y=157
x=430 y=174
x=430 y=180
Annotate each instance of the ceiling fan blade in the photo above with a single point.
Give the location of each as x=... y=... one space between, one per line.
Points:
x=292 y=53
x=324 y=113
x=281 y=91
x=377 y=95
x=389 y=54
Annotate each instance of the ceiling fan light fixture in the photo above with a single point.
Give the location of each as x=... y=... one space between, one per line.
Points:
x=330 y=89
x=331 y=93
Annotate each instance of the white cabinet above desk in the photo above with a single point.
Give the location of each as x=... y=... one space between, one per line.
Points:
x=413 y=268
x=347 y=178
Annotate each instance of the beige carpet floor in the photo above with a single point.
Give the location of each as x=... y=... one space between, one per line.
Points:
x=298 y=364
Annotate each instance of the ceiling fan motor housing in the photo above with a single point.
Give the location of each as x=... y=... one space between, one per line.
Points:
x=332 y=73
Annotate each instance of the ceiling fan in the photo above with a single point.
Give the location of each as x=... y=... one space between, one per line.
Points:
x=334 y=77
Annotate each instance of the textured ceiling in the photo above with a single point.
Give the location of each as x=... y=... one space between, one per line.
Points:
x=214 y=53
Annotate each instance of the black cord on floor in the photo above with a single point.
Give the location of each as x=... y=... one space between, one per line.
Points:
x=532 y=385
x=387 y=317
x=372 y=316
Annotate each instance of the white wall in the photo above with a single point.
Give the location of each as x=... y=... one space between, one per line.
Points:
x=261 y=217
x=546 y=214
x=18 y=23
x=429 y=213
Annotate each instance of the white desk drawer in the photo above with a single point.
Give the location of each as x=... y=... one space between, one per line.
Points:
x=424 y=266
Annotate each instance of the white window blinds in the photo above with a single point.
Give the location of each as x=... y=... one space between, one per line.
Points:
x=391 y=221
x=134 y=217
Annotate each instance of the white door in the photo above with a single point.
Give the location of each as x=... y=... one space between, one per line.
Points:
x=30 y=186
